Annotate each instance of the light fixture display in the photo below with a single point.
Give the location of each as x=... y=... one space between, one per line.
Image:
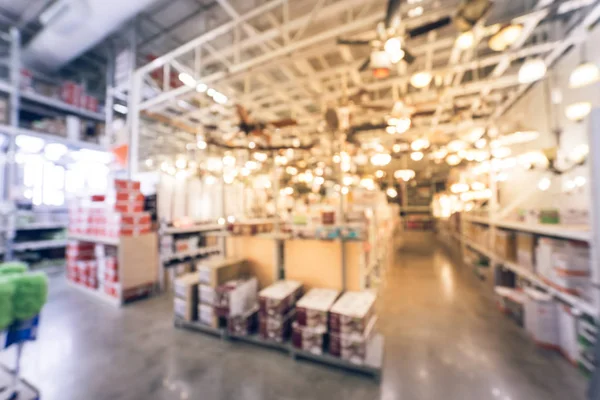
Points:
x=261 y=157
x=319 y=180
x=391 y=129
x=501 y=152
x=465 y=40
x=345 y=190
x=404 y=174
x=459 y=187
x=457 y=145
x=478 y=186
x=421 y=79
x=347 y=180
x=201 y=143
x=578 y=111
x=532 y=70
x=481 y=143
x=251 y=145
x=393 y=48
x=367 y=183
x=391 y=192
x=281 y=160
x=419 y=144
x=505 y=37
x=579 y=181
x=440 y=154
x=381 y=159
x=579 y=153
x=291 y=170
x=403 y=124
x=187 y=80
x=201 y=88
x=585 y=74
x=228 y=160
x=288 y=191
x=517 y=137
x=380 y=63
x=379 y=174
x=416 y=155
x=453 y=160
x=252 y=165
x=181 y=163
x=544 y=184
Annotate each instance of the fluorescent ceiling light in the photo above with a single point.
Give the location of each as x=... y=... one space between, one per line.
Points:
x=417 y=156
x=120 y=108
x=187 y=80
x=404 y=174
x=453 y=160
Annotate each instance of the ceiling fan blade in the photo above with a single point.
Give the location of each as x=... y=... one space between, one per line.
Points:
x=350 y=42
x=282 y=123
x=409 y=57
x=393 y=8
x=423 y=29
x=365 y=65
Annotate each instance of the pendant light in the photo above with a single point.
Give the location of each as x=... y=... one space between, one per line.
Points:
x=380 y=64
x=416 y=155
x=391 y=192
x=419 y=144
x=393 y=48
x=465 y=40
x=578 y=111
x=585 y=74
x=532 y=70
x=453 y=160
x=505 y=37
x=404 y=174
x=421 y=79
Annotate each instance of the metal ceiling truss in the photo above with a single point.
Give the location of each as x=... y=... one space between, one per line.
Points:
x=293 y=68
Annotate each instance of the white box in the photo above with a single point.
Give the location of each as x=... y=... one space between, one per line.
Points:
x=180 y=307
x=567 y=320
x=73 y=127
x=541 y=320
x=206 y=314
x=206 y=294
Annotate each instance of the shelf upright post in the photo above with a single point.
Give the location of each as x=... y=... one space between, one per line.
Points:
x=15 y=75
x=109 y=102
x=279 y=270
x=492 y=210
x=134 y=125
x=594 y=168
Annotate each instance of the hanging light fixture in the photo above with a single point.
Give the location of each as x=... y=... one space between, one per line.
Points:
x=453 y=160
x=379 y=174
x=585 y=74
x=465 y=40
x=368 y=183
x=440 y=154
x=393 y=48
x=402 y=124
x=478 y=186
x=501 y=152
x=480 y=144
x=419 y=144
x=505 y=37
x=532 y=70
x=281 y=160
x=544 y=184
x=457 y=145
x=381 y=159
x=380 y=64
x=391 y=192
x=404 y=174
x=398 y=147
x=391 y=129
x=578 y=111
x=416 y=155
x=459 y=187
x=421 y=79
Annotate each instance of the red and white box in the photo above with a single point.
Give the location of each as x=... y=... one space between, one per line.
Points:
x=129 y=207
x=71 y=93
x=112 y=289
x=352 y=312
x=313 y=308
x=129 y=196
x=139 y=218
x=123 y=184
x=279 y=298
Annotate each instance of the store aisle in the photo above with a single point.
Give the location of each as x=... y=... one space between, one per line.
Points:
x=444 y=341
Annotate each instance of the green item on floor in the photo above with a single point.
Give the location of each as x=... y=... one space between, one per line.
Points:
x=13 y=267
x=7 y=291
x=30 y=294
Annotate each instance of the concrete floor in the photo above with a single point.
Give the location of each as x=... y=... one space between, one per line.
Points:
x=444 y=340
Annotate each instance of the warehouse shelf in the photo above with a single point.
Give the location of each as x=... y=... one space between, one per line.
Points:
x=573 y=232
x=373 y=369
x=49 y=137
x=191 y=229
x=41 y=226
x=191 y=254
x=53 y=103
x=40 y=245
x=96 y=294
x=94 y=239
x=535 y=280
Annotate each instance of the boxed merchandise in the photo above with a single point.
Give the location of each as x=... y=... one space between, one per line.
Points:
x=309 y=338
x=352 y=312
x=277 y=328
x=573 y=216
x=215 y=272
x=112 y=289
x=71 y=93
x=352 y=347
x=549 y=216
x=244 y=324
x=511 y=302
x=505 y=245
x=526 y=250
x=206 y=294
x=122 y=184
x=567 y=321
x=313 y=308
x=186 y=287
x=541 y=318
x=279 y=298
x=207 y=315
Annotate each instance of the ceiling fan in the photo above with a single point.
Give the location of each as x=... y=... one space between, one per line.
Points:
x=258 y=128
x=390 y=45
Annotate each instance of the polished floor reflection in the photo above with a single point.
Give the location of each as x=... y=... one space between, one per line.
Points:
x=444 y=340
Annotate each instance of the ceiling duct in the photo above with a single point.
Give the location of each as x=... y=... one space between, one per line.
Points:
x=71 y=27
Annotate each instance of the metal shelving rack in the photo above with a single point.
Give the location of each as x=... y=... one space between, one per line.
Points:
x=12 y=129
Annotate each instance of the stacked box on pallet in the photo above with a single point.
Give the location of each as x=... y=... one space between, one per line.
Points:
x=351 y=324
x=277 y=308
x=186 y=296
x=565 y=265
x=77 y=252
x=216 y=276
x=309 y=331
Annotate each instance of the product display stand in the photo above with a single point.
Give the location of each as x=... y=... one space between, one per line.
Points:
x=11 y=385
x=373 y=369
x=137 y=260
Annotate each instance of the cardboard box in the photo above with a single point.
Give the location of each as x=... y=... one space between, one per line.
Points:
x=182 y=310
x=567 y=320
x=215 y=272
x=244 y=324
x=122 y=184
x=186 y=292
x=313 y=308
x=207 y=315
x=309 y=338
x=352 y=347
x=279 y=298
x=206 y=295
x=276 y=328
x=526 y=250
x=541 y=318
x=352 y=312
x=236 y=297
x=505 y=245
